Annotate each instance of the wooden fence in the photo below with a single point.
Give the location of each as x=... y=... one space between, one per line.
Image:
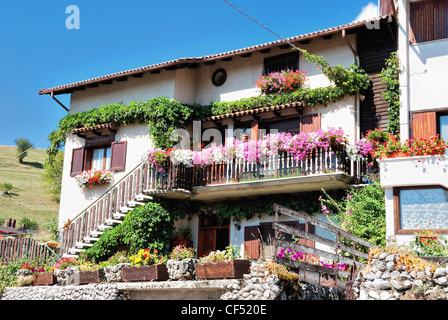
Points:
x=13 y=249
x=335 y=247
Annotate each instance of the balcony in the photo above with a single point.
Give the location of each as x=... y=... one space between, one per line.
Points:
x=282 y=173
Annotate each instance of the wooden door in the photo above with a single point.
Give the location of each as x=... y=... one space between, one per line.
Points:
x=207 y=242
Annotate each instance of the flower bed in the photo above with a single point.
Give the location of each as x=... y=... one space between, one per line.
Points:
x=89 y=178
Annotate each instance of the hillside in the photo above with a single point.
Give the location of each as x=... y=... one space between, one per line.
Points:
x=27 y=198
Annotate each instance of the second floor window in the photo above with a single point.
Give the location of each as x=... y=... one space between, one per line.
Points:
x=101 y=158
x=287 y=61
x=428 y=20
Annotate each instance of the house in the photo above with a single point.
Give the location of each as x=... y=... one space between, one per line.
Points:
x=417 y=187
x=227 y=76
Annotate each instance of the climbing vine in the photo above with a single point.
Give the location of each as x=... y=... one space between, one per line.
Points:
x=390 y=75
x=165 y=115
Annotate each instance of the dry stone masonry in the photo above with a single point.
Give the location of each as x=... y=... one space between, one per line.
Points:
x=388 y=276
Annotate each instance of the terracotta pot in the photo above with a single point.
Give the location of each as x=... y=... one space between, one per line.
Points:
x=398 y=154
x=52 y=245
x=223 y=269
x=427 y=239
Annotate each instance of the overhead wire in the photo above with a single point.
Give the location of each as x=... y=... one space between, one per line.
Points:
x=24 y=151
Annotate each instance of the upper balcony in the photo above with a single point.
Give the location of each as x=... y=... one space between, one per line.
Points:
x=283 y=163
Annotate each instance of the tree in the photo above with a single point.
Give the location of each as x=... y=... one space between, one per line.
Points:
x=52 y=176
x=23 y=145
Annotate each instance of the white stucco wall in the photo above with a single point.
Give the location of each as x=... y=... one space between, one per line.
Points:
x=75 y=199
x=195 y=86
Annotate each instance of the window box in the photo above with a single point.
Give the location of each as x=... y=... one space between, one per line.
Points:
x=223 y=269
x=156 y=272
x=85 y=277
x=93 y=177
x=45 y=279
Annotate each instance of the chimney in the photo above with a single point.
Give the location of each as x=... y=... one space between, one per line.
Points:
x=386 y=7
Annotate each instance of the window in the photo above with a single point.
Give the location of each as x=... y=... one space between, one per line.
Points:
x=431 y=123
x=420 y=208
x=99 y=153
x=428 y=20
x=306 y=123
x=287 y=61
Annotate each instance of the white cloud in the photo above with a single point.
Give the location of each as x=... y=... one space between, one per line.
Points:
x=368 y=12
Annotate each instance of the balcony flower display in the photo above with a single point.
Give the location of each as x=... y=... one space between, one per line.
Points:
x=361 y=150
x=89 y=178
x=433 y=145
x=157 y=157
x=277 y=82
x=298 y=146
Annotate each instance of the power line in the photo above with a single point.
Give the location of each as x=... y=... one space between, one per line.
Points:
x=24 y=151
x=262 y=25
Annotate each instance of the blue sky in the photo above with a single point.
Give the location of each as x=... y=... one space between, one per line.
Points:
x=37 y=51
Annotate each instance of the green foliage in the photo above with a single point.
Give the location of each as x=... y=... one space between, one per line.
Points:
x=362 y=212
x=52 y=226
x=2 y=221
x=29 y=224
x=23 y=145
x=6 y=187
x=390 y=76
x=52 y=176
x=146 y=227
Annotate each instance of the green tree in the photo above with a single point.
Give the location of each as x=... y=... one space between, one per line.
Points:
x=23 y=145
x=52 y=176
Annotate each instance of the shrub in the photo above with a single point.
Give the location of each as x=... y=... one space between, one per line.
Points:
x=146 y=227
x=23 y=145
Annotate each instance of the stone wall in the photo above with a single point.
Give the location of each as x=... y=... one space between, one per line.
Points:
x=260 y=284
x=398 y=276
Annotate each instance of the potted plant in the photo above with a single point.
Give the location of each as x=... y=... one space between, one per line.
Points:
x=224 y=264
x=422 y=146
x=146 y=266
x=45 y=278
x=87 y=272
x=90 y=178
x=278 y=82
x=157 y=157
x=377 y=137
x=52 y=244
x=181 y=265
x=393 y=148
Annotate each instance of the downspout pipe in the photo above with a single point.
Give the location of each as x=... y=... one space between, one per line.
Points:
x=60 y=103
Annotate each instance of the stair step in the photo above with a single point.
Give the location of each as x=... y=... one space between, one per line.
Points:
x=81 y=245
x=144 y=198
x=110 y=222
x=119 y=216
x=91 y=239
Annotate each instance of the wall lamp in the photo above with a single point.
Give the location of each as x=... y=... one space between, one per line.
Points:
x=236 y=223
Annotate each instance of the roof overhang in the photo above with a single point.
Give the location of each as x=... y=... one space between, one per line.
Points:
x=210 y=59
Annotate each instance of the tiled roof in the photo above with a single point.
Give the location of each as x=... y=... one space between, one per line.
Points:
x=110 y=125
x=253 y=111
x=208 y=58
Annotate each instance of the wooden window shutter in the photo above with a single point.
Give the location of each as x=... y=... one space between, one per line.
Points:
x=310 y=122
x=118 y=156
x=424 y=124
x=421 y=21
x=251 y=242
x=77 y=161
x=440 y=19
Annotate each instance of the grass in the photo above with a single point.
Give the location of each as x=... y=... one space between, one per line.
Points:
x=27 y=198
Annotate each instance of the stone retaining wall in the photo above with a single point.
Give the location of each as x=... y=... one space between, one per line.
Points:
x=260 y=284
x=389 y=277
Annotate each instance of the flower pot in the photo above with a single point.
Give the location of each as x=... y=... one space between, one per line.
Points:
x=52 y=245
x=84 y=277
x=45 y=279
x=223 y=269
x=157 y=272
x=428 y=239
x=398 y=154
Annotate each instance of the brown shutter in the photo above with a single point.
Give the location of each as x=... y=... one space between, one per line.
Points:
x=422 y=24
x=424 y=124
x=310 y=122
x=251 y=242
x=118 y=156
x=77 y=161
x=440 y=19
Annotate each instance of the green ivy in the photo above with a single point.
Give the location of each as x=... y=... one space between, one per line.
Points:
x=390 y=76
